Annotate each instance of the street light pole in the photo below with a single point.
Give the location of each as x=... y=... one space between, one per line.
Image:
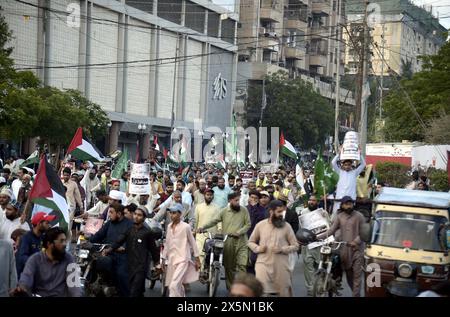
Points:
x=141 y=128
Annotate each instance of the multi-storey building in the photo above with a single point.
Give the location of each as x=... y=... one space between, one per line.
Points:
x=144 y=62
x=294 y=36
x=400 y=33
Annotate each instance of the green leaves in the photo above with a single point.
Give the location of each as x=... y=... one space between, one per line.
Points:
x=300 y=112
x=430 y=94
x=27 y=109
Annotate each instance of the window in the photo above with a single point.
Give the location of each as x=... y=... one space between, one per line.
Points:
x=334 y=5
x=266 y=56
x=144 y=5
x=170 y=10
x=228 y=30
x=331 y=57
x=195 y=17
x=213 y=23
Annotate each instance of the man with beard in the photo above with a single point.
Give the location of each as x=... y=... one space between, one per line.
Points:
x=235 y=223
x=52 y=272
x=221 y=193
x=31 y=242
x=257 y=214
x=5 y=198
x=311 y=257
x=350 y=223
x=91 y=184
x=108 y=234
x=199 y=194
x=99 y=207
x=204 y=213
x=24 y=190
x=124 y=182
x=273 y=240
x=176 y=198
x=139 y=241
x=261 y=181
x=12 y=222
x=167 y=193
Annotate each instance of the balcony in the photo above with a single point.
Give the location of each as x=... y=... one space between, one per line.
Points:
x=269 y=43
x=294 y=53
x=270 y=14
x=296 y=24
x=321 y=7
x=317 y=59
x=257 y=71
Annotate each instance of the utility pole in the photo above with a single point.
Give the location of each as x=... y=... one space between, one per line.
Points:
x=263 y=106
x=172 y=121
x=381 y=82
x=362 y=127
x=338 y=79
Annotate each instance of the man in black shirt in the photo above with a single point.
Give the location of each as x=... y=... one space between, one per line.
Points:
x=139 y=241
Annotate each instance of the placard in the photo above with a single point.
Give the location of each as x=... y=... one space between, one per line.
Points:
x=93 y=225
x=246 y=177
x=140 y=179
x=350 y=147
x=315 y=221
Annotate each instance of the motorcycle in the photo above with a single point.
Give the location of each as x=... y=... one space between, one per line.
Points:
x=154 y=273
x=328 y=276
x=213 y=263
x=327 y=281
x=94 y=283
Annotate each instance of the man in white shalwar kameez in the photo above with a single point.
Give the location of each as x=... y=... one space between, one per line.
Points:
x=178 y=255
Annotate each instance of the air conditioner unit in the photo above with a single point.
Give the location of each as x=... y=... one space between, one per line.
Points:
x=272 y=34
x=262 y=30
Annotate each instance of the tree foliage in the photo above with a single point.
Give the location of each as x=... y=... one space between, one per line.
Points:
x=394 y=174
x=29 y=109
x=429 y=91
x=304 y=116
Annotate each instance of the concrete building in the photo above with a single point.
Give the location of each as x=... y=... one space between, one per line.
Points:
x=137 y=59
x=401 y=32
x=293 y=36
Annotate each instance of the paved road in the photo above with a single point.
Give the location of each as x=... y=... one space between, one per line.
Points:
x=199 y=290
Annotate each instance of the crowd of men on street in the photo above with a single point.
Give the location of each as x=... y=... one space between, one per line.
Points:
x=260 y=216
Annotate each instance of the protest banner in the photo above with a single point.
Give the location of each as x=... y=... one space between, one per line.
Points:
x=140 y=179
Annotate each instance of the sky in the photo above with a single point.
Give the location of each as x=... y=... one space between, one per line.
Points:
x=439 y=6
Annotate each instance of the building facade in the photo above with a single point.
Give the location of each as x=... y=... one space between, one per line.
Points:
x=400 y=33
x=150 y=62
x=298 y=37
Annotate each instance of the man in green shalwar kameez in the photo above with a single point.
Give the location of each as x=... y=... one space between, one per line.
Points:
x=235 y=223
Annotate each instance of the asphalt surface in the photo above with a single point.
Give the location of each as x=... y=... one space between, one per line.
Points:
x=199 y=290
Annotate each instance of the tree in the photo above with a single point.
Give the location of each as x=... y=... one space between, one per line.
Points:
x=28 y=109
x=305 y=117
x=439 y=130
x=394 y=174
x=429 y=91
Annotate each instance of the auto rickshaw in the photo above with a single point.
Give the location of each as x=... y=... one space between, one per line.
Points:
x=409 y=243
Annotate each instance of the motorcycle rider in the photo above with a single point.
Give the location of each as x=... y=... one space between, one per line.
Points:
x=116 y=262
x=311 y=257
x=350 y=222
x=139 y=241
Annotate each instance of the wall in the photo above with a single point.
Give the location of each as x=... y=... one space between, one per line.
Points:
x=104 y=39
x=138 y=75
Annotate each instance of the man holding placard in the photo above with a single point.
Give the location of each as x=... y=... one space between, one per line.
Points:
x=349 y=152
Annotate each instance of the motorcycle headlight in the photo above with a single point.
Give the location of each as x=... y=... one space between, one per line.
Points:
x=218 y=244
x=405 y=270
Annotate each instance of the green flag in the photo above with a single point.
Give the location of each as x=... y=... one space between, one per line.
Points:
x=121 y=165
x=325 y=179
x=32 y=159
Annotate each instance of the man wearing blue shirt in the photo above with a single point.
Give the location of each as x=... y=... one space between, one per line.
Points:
x=221 y=193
